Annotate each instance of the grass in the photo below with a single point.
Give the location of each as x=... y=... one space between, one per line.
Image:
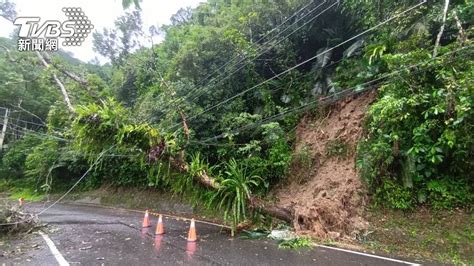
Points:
x=330 y=243
x=445 y=236
x=27 y=194
x=338 y=148
x=19 y=188
x=296 y=243
x=303 y=157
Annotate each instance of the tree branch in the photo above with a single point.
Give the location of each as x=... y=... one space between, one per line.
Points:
x=69 y=74
x=28 y=112
x=185 y=125
x=462 y=34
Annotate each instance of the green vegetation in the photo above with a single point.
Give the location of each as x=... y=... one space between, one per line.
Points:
x=209 y=113
x=445 y=236
x=296 y=243
x=234 y=192
x=418 y=146
x=337 y=148
x=303 y=157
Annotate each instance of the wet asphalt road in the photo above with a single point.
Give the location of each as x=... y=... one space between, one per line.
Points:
x=94 y=236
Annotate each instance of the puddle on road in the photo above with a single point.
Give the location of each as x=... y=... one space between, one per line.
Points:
x=158 y=240
x=190 y=249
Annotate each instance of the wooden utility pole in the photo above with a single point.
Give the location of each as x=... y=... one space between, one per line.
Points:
x=4 y=128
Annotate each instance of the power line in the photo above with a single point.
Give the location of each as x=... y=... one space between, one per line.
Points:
x=227 y=76
x=113 y=155
x=96 y=162
x=302 y=63
x=301 y=77
x=19 y=129
x=43 y=136
x=268 y=41
x=327 y=99
x=266 y=50
x=30 y=122
x=40 y=125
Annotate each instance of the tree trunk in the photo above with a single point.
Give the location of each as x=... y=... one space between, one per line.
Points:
x=67 y=73
x=4 y=128
x=441 y=30
x=59 y=83
x=271 y=210
x=462 y=33
x=255 y=203
x=202 y=177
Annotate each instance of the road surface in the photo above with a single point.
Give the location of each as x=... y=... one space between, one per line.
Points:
x=90 y=235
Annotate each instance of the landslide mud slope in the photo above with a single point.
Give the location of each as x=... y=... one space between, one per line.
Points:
x=323 y=187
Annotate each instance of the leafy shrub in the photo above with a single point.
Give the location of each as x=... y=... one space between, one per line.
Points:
x=234 y=192
x=41 y=162
x=303 y=157
x=392 y=194
x=449 y=192
x=96 y=126
x=279 y=153
x=53 y=166
x=13 y=160
x=419 y=144
x=337 y=148
x=296 y=243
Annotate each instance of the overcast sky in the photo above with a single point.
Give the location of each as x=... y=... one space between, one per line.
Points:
x=101 y=13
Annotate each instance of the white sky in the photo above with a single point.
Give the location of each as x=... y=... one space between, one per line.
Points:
x=101 y=13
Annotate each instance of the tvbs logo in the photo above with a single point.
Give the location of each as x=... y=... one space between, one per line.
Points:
x=37 y=36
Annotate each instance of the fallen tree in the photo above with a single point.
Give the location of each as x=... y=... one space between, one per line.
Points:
x=13 y=220
x=254 y=202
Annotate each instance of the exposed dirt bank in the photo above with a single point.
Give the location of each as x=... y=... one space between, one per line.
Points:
x=323 y=188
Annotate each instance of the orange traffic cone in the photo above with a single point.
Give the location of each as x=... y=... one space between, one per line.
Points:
x=192 y=237
x=159 y=227
x=146 y=220
x=21 y=201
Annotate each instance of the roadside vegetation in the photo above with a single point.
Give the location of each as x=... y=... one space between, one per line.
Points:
x=210 y=113
x=296 y=243
x=445 y=236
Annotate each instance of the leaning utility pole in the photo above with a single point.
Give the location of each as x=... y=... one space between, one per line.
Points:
x=4 y=128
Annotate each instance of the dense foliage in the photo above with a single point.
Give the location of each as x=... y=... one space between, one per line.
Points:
x=418 y=147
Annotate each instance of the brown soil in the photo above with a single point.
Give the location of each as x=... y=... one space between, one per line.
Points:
x=325 y=192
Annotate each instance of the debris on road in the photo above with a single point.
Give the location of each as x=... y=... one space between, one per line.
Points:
x=282 y=235
x=13 y=220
